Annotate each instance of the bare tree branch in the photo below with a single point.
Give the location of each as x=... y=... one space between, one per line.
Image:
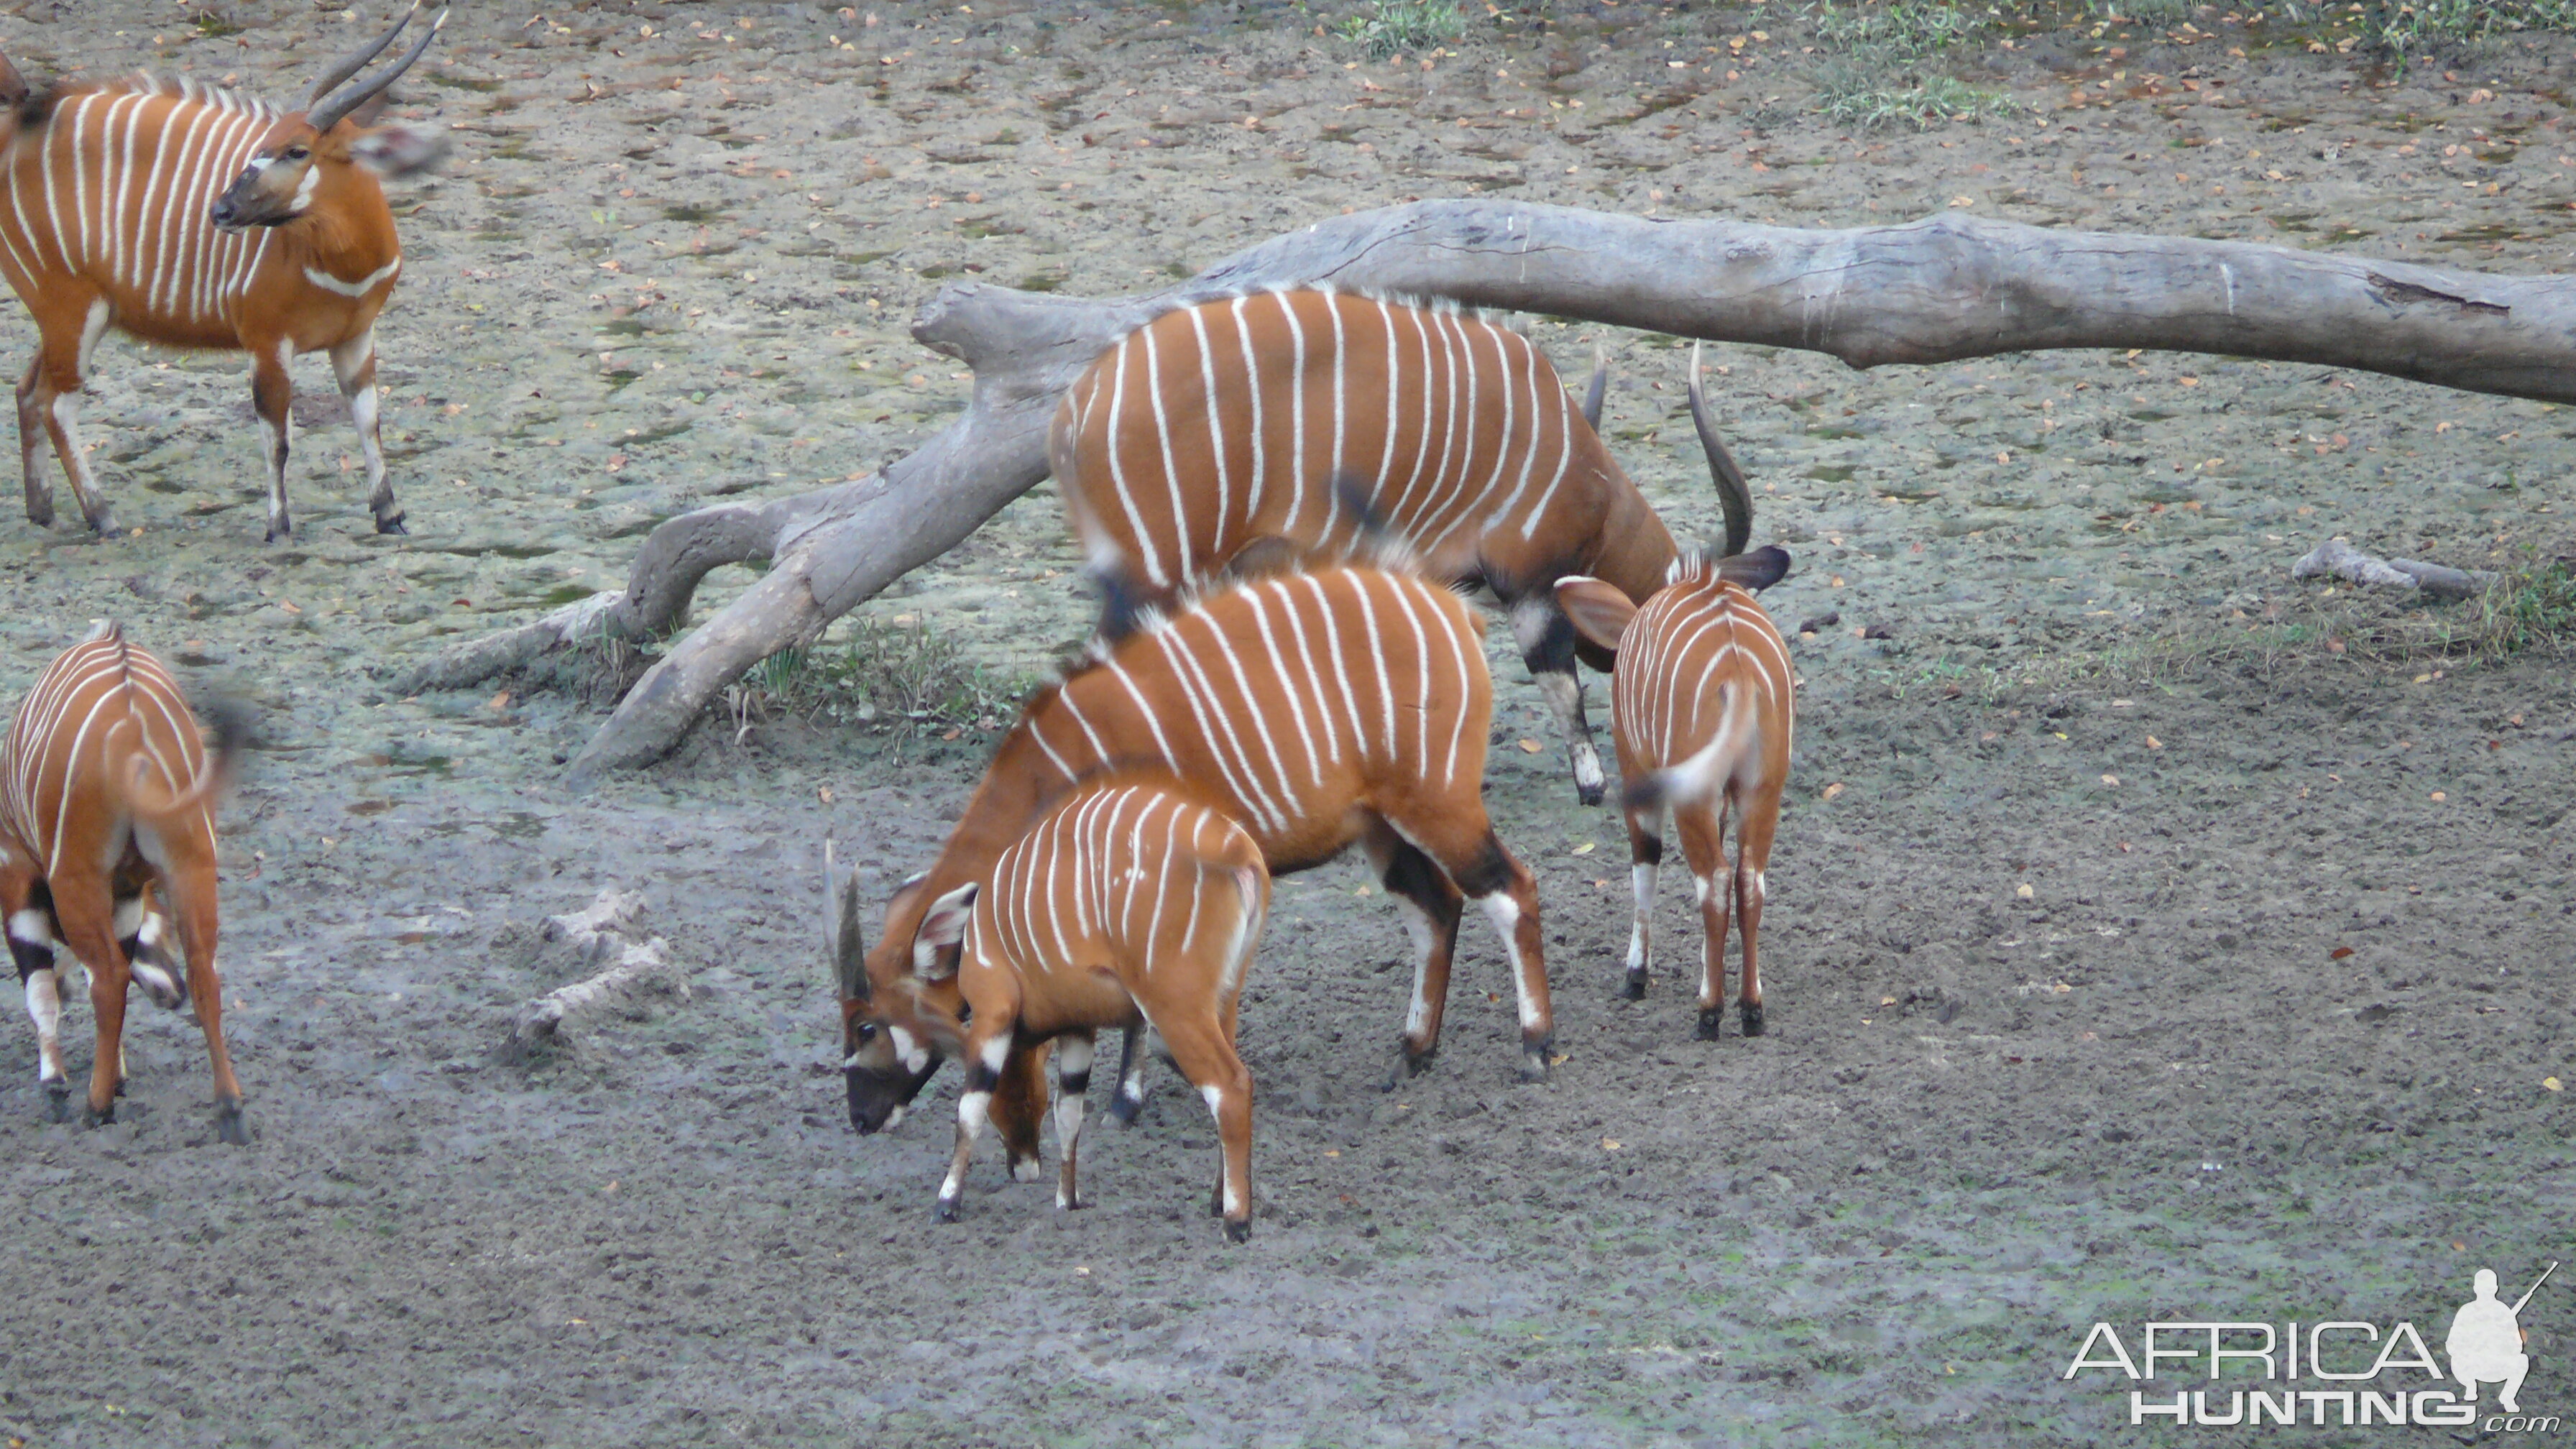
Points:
x=1938 y=290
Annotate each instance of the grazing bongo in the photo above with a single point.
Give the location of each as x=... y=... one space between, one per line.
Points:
x=107 y=801
x=194 y=217
x=1318 y=419
x=1133 y=901
x=1701 y=707
x=1318 y=709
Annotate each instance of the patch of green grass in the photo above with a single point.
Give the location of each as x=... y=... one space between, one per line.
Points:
x=1866 y=97
x=2533 y=608
x=2142 y=12
x=1904 y=30
x=894 y=677
x=2412 y=27
x=1390 y=27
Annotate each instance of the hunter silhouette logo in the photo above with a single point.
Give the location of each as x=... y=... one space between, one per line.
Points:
x=2334 y=1372
x=2486 y=1341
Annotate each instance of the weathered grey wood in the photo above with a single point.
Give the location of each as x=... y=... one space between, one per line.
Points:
x=2337 y=558
x=1938 y=290
x=603 y=932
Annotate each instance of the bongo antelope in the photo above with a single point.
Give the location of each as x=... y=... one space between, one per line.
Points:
x=107 y=801
x=1131 y=901
x=1315 y=709
x=194 y=217
x=1701 y=707
x=1225 y=426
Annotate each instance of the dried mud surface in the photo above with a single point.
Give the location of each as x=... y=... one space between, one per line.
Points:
x=2149 y=937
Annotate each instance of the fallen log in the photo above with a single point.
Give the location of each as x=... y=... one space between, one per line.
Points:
x=2337 y=558
x=1937 y=290
x=602 y=932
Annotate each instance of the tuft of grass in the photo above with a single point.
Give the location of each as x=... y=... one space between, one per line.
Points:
x=2529 y=608
x=894 y=678
x=1901 y=31
x=1867 y=98
x=1391 y=27
x=2141 y=12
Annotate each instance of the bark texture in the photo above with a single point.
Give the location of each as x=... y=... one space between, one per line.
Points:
x=2337 y=558
x=602 y=934
x=1938 y=290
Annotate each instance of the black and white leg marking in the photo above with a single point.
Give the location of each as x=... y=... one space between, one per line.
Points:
x=31 y=942
x=1073 y=1052
x=974 y=1110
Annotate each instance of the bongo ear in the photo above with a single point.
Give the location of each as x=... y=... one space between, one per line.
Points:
x=1599 y=611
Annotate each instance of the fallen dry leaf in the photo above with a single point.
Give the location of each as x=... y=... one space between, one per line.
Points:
x=1529 y=747
x=2339 y=953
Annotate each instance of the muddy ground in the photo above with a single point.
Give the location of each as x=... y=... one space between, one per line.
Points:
x=2150 y=937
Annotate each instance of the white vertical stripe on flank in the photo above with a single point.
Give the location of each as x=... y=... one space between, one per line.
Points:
x=1209 y=705
x=1333 y=461
x=1446 y=483
x=1118 y=468
x=1252 y=388
x=1422 y=435
x=55 y=163
x=151 y=229
x=197 y=237
x=1296 y=416
x=1458 y=658
x=120 y=256
x=1408 y=600
x=1467 y=482
x=1216 y=435
x=1307 y=666
x=1385 y=690
x=1099 y=751
x=1145 y=711
x=227 y=264
x=1528 y=449
x=1217 y=703
x=1076 y=837
x=81 y=168
x=1180 y=539
x=9 y=234
x=234 y=138
x=1048 y=750
x=1327 y=625
x=1288 y=684
x=1565 y=420
x=1386 y=455
x=1504 y=357
x=1259 y=708
x=63 y=807
x=170 y=259
x=1198 y=876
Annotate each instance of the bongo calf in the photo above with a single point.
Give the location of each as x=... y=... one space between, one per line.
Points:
x=1701 y=707
x=1131 y=903
x=107 y=803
